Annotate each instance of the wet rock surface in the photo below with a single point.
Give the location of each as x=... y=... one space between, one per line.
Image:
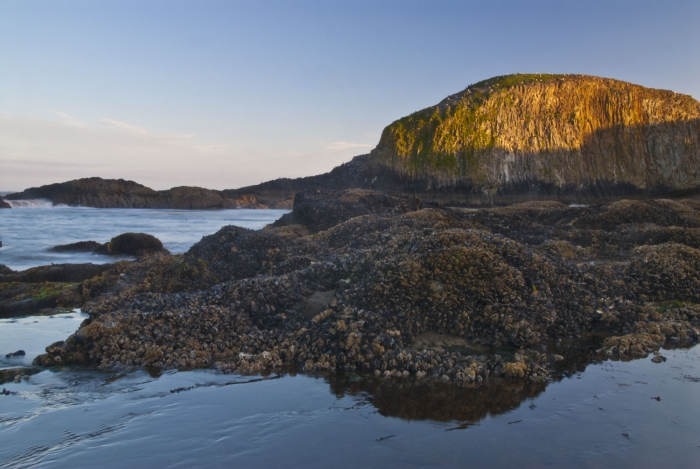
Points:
x=400 y=290
x=80 y=246
x=16 y=375
x=42 y=289
x=55 y=273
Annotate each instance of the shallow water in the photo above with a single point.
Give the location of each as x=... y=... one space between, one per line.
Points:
x=33 y=333
x=603 y=417
x=27 y=233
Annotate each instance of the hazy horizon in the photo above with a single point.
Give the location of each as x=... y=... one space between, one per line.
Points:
x=228 y=94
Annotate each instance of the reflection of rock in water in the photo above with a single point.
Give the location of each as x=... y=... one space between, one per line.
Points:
x=412 y=400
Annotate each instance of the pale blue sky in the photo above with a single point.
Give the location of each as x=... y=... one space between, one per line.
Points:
x=224 y=94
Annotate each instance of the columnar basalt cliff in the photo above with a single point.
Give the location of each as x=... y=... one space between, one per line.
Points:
x=549 y=135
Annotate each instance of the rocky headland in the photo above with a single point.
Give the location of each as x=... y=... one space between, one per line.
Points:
x=365 y=282
x=516 y=138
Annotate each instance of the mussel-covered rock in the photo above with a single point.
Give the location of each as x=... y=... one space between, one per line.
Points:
x=356 y=281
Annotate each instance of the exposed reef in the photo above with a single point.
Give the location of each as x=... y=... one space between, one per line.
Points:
x=63 y=286
x=364 y=282
x=47 y=287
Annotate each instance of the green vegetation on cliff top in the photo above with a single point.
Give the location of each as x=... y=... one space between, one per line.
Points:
x=506 y=81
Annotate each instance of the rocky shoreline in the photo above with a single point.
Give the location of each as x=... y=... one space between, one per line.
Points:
x=63 y=286
x=360 y=281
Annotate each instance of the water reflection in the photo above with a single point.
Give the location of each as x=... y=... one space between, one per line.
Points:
x=423 y=400
x=77 y=416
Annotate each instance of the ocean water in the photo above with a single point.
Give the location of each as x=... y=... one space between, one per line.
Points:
x=29 y=229
x=610 y=414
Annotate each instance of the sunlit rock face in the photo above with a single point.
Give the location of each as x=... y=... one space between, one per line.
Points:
x=525 y=136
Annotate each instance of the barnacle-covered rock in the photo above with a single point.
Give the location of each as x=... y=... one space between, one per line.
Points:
x=357 y=281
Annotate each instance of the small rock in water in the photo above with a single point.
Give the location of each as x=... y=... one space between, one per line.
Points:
x=658 y=359
x=18 y=353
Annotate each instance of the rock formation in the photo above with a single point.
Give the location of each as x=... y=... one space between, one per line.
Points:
x=550 y=135
x=125 y=244
x=46 y=287
x=132 y=244
x=80 y=246
x=118 y=193
x=363 y=282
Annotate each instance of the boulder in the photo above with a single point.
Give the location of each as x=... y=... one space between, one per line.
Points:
x=132 y=244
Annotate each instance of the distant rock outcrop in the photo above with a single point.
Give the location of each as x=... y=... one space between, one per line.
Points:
x=118 y=193
x=4 y=204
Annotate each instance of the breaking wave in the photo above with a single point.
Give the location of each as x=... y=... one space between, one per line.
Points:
x=31 y=203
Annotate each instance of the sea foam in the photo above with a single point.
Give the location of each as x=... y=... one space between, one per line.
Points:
x=30 y=203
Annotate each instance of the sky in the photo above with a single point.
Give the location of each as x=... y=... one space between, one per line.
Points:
x=224 y=94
